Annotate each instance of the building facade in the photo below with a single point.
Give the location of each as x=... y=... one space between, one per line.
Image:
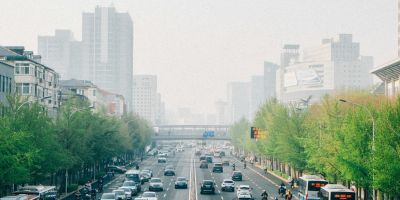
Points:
x=57 y=50
x=257 y=96
x=6 y=83
x=33 y=80
x=145 y=97
x=335 y=65
x=239 y=100
x=270 y=70
x=107 y=50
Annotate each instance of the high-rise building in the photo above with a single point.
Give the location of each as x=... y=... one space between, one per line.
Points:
x=145 y=97
x=257 y=97
x=56 y=51
x=222 y=113
x=270 y=70
x=239 y=100
x=107 y=50
x=335 y=65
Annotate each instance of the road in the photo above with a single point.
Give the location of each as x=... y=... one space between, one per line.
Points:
x=187 y=165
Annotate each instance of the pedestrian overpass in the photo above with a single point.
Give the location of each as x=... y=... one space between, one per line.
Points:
x=191 y=132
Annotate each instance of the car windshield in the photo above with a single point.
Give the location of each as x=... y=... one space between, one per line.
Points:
x=129 y=183
x=208 y=183
x=126 y=189
x=237 y=173
x=181 y=179
x=149 y=194
x=228 y=181
x=108 y=196
x=218 y=165
x=155 y=180
x=244 y=188
x=119 y=192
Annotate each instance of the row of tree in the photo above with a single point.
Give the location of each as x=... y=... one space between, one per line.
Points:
x=355 y=140
x=35 y=147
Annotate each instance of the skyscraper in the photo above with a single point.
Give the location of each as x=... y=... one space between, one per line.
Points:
x=145 y=97
x=239 y=100
x=270 y=79
x=107 y=51
x=56 y=51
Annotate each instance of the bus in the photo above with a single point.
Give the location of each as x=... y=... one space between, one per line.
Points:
x=336 y=192
x=42 y=192
x=309 y=187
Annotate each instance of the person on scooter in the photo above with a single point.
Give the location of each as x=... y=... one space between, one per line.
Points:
x=282 y=189
x=233 y=165
x=264 y=195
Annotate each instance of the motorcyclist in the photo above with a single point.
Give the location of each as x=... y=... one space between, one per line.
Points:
x=93 y=193
x=137 y=167
x=244 y=165
x=282 y=189
x=264 y=195
x=233 y=165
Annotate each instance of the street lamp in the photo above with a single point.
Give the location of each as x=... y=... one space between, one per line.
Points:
x=31 y=101
x=69 y=118
x=373 y=136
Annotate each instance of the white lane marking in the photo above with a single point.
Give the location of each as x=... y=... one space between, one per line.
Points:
x=190 y=178
x=195 y=179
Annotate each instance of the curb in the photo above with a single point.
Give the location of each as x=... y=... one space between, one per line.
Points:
x=273 y=174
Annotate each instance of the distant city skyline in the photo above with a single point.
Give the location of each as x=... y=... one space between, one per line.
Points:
x=206 y=44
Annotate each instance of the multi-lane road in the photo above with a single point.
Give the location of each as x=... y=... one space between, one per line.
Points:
x=187 y=165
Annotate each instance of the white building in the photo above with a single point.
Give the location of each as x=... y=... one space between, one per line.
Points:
x=107 y=51
x=222 y=113
x=239 y=100
x=335 y=65
x=56 y=51
x=33 y=80
x=145 y=98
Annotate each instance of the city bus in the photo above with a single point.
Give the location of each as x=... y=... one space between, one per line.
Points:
x=309 y=187
x=42 y=192
x=336 y=192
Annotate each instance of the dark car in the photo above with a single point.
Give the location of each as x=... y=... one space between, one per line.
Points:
x=202 y=157
x=198 y=153
x=222 y=153
x=218 y=168
x=207 y=186
x=209 y=159
x=116 y=169
x=181 y=182
x=237 y=176
x=203 y=164
x=169 y=171
x=225 y=162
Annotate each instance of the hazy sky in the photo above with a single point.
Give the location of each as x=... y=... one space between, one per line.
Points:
x=196 y=47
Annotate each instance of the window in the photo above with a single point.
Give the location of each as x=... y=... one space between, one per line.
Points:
x=25 y=88
x=3 y=84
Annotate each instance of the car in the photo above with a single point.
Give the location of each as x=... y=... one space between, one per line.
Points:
x=119 y=194
x=145 y=176
x=181 y=182
x=202 y=157
x=228 y=185
x=148 y=170
x=179 y=149
x=149 y=196
x=217 y=154
x=222 y=153
x=128 y=192
x=133 y=186
x=242 y=188
x=237 y=176
x=225 y=162
x=198 y=153
x=162 y=160
x=209 y=159
x=207 y=186
x=245 y=195
x=116 y=169
x=108 y=196
x=203 y=164
x=169 y=171
x=155 y=184
x=218 y=168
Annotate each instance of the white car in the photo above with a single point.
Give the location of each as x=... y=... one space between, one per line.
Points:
x=108 y=196
x=228 y=185
x=245 y=195
x=242 y=188
x=128 y=192
x=156 y=184
x=119 y=194
x=179 y=149
x=149 y=196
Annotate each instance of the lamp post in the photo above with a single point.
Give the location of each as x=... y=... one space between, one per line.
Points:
x=69 y=118
x=20 y=106
x=373 y=137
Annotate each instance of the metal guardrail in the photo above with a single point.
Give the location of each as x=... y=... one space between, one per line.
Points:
x=189 y=137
